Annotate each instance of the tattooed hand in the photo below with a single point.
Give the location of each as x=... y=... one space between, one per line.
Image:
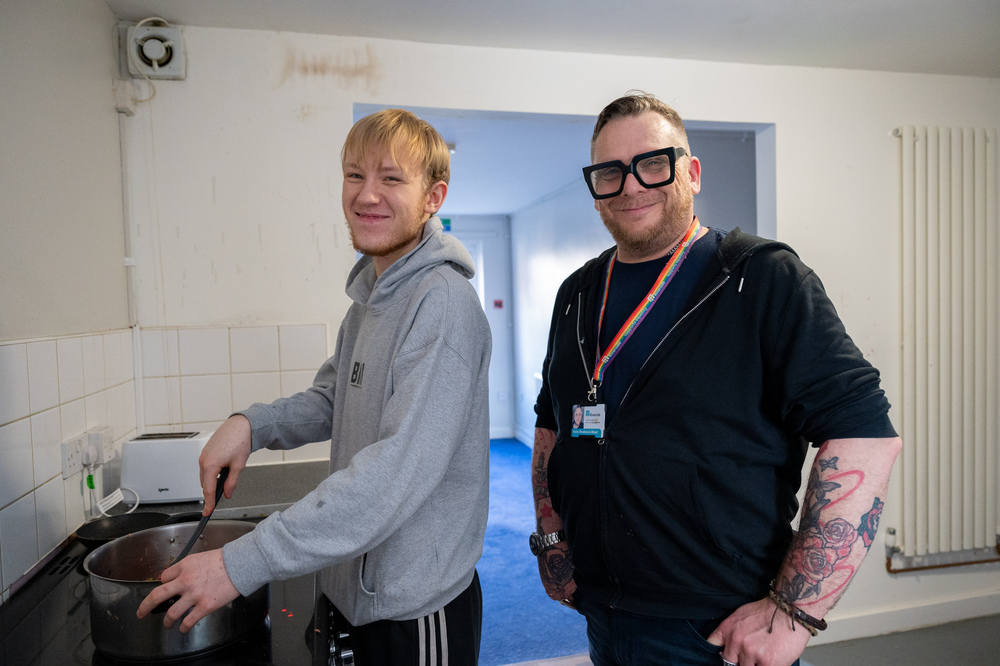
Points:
x=555 y=567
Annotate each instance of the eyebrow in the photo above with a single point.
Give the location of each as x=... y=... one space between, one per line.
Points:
x=382 y=168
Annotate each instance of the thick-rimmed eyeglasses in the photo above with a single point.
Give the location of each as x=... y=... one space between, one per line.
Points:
x=652 y=169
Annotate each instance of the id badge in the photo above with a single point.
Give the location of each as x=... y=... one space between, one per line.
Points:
x=588 y=421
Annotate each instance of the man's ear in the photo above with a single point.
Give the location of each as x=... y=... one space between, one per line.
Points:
x=435 y=197
x=694 y=174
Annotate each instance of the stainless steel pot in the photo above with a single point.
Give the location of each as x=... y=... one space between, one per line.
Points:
x=125 y=570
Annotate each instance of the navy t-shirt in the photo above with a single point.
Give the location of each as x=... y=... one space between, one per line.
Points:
x=630 y=283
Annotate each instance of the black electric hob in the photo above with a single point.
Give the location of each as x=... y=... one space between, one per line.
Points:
x=48 y=622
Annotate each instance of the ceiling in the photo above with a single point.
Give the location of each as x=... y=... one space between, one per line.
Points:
x=930 y=36
x=953 y=37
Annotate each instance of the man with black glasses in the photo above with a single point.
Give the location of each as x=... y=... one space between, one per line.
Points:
x=705 y=363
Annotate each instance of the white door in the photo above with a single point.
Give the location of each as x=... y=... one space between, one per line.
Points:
x=486 y=239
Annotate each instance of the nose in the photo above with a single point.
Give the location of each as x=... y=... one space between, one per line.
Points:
x=369 y=192
x=632 y=185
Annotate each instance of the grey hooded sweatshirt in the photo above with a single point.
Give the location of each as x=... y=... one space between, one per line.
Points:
x=397 y=527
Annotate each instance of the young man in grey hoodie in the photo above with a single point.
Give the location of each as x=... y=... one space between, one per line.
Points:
x=397 y=527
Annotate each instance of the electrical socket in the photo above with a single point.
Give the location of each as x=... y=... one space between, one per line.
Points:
x=72 y=455
x=103 y=443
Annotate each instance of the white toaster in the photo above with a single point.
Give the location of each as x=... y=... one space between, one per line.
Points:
x=163 y=467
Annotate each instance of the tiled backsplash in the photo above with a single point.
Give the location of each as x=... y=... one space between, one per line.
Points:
x=53 y=389
x=194 y=378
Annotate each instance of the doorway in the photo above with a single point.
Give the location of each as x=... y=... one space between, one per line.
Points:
x=524 y=169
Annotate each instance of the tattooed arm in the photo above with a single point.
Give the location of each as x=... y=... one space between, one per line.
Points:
x=554 y=564
x=844 y=498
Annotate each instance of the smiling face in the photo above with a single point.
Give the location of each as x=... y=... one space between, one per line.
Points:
x=646 y=223
x=386 y=203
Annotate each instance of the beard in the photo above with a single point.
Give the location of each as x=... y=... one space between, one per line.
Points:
x=674 y=221
x=387 y=247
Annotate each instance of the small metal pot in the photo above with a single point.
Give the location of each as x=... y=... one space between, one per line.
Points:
x=124 y=571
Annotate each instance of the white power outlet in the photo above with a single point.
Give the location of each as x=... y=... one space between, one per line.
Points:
x=72 y=455
x=103 y=443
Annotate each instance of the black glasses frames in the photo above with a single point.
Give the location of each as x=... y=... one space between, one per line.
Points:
x=607 y=179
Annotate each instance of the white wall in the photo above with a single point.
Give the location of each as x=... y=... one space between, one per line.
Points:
x=62 y=248
x=549 y=240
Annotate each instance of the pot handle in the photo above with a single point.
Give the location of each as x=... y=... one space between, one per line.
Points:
x=165 y=606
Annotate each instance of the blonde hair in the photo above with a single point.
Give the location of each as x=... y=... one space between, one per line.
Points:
x=403 y=135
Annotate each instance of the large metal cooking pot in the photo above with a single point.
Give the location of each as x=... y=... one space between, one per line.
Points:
x=124 y=571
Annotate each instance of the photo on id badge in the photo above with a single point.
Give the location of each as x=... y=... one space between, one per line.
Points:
x=588 y=421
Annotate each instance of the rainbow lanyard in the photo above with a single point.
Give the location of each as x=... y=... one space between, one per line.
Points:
x=625 y=332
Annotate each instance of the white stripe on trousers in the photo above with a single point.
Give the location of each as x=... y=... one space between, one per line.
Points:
x=429 y=629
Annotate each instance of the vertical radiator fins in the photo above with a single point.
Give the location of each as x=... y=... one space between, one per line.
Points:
x=951 y=394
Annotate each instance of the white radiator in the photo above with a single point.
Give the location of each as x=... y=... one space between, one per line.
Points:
x=950 y=340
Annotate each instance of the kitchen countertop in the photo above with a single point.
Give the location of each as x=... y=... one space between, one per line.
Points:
x=262 y=490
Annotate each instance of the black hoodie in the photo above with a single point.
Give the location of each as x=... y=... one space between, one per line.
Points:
x=683 y=509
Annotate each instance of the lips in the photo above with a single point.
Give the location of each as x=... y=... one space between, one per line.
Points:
x=634 y=208
x=370 y=218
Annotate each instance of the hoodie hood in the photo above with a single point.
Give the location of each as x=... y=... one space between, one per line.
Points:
x=435 y=248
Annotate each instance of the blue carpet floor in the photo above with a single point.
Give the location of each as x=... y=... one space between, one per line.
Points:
x=520 y=623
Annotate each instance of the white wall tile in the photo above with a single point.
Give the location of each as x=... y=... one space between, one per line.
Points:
x=46 y=445
x=70 y=351
x=97 y=409
x=116 y=410
x=204 y=351
x=265 y=457
x=202 y=426
x=13 y=383
x=254 y=349
x=43 y=375
x=255 y=387
x=16 y=472
x=74 y=419
x=128 y=403
x=303 y=347
x=113 y=362
x=315 y=451
x=206 y=398
x=296 y=381
x=50 y=515
x=76 y=508
x=93 y=364
x=162 y=400
x=19 y=537
x=160 y=353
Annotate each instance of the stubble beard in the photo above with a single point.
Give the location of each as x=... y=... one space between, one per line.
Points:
x=387 y=248
x=673 y=223
x=413 y=231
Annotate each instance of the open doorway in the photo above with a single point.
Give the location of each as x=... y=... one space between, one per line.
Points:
x=517 y=196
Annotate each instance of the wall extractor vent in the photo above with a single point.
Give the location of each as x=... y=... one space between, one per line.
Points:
x=155 y=52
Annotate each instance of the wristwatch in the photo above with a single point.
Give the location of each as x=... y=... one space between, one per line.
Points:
x=539 y=542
